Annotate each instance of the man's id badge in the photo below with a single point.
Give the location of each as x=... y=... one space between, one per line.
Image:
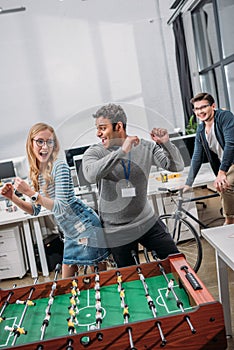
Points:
x=129 y=192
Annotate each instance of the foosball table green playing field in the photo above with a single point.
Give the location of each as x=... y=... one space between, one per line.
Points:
x=147 y=306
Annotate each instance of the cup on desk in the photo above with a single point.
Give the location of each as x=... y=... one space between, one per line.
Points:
x=10 y=207
x=164 y=178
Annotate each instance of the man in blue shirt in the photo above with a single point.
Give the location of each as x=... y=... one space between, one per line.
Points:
x=215 y=138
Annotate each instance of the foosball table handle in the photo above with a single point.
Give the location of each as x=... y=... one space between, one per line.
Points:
x=191 y=278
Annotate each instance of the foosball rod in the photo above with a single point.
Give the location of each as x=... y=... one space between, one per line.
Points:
x=125 y=311
x=178 y=302
x=17 y=333
x=98 y=298
x=46 y=320
x=148 y=297
x=73 y=308
x=6 y=303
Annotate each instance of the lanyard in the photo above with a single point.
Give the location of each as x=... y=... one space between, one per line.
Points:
x=127 y=170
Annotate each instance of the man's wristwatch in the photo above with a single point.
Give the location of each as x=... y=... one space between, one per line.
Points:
x=34 y=197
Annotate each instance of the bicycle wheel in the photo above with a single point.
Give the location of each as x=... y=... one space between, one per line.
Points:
x=186 y=238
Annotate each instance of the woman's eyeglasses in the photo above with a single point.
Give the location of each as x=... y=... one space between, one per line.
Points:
x=40 y=142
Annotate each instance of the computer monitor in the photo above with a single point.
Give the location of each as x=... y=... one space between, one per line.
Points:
x=82 y=182
x=21 y=167
x=70 y=153
x=185 y=144
x=7 y=170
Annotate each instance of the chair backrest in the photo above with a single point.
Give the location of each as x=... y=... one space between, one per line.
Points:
x=82 y=182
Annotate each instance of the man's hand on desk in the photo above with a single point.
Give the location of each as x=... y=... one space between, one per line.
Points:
x=186 y=188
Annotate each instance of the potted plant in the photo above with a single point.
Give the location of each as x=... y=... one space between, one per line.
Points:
x=191 y=126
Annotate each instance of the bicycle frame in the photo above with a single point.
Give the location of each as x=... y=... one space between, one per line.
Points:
x=193 y=200
x=182 y=231
x=180 y=209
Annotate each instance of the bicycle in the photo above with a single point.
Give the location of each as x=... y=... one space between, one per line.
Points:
x=184 y=234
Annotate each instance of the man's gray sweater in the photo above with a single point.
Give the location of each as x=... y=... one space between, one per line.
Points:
x=127 y=216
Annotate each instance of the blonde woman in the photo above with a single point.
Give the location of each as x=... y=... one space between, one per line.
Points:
x=52 y=188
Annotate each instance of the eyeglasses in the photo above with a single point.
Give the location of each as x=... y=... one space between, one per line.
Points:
x=197 y=109
x=40 y=142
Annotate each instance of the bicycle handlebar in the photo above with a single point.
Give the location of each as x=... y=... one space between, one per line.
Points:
x=164 y=189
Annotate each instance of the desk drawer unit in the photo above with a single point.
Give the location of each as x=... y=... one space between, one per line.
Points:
x=12 y=261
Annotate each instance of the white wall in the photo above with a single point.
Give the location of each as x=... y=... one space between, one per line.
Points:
x=61 y=60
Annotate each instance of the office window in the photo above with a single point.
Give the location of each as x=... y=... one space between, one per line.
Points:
x=213 y=32
x=211 y=79
x=229 y=71
x=226 y=13
x=205 y=38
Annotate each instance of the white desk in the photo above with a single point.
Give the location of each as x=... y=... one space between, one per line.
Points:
x=204 y=176
x=222 y=239
x=19 y=216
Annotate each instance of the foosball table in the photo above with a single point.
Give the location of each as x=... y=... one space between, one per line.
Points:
x=147 y=306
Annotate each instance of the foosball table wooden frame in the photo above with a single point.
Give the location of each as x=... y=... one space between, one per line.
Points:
x=206 y=315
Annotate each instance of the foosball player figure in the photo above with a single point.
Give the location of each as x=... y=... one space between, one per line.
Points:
x=98 y=317
x=73 y=306
x=97 y=295
x=50 y=302
x=98 y=305
x=169 y=287
x=25 y=302
x=141 y=276
x=72 y=312
x=71 y=326
x=75 y=290
x=119 y=279
x=150 y=300
x=122 y=296
x=97 y=278
x=126 y=313
x=119 y=282
x=74 y=294
x=74 y=284
x=97 y=286
x=73 y=309
x=46 y=319
x=16 y=330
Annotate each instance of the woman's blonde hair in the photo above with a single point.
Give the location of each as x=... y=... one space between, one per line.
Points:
x=34 y=166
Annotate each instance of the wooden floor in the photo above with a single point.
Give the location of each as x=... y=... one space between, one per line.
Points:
x=210 y=215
